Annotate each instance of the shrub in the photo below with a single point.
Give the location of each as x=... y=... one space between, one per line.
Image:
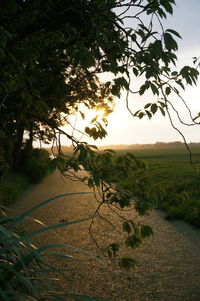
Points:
x=38 y=165
x=181 y=201
x=8 y=192
x=11 y=186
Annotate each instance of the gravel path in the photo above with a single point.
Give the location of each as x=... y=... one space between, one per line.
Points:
x=168 y=264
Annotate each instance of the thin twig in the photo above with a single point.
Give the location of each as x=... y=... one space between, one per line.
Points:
x=174 y=127
x=4 y=99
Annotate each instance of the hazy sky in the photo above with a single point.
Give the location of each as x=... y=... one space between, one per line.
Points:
x=123 y=128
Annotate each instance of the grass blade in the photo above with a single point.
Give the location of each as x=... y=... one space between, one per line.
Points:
x=28 y=212
x=30 y=234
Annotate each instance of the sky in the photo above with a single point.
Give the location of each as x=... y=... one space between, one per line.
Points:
x=124 y=128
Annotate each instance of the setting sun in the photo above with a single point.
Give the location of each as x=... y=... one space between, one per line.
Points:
x=94 y=114
x=90 y=116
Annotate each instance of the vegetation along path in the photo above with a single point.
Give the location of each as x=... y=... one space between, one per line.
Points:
x=168 y=264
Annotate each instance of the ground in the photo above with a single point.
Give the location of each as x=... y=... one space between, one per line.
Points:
x=168 y=264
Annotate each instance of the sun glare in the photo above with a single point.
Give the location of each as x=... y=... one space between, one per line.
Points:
x=85 y=118
x=92 y=115
x=100 y=113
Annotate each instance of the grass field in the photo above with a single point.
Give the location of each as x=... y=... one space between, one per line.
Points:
x=174 y=179
x=168 y=163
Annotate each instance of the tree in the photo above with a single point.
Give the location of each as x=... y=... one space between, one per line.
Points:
x=51 y=55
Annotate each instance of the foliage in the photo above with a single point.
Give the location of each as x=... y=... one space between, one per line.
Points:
x=181 y=201
x=37 y=165
x=13 y=184
x=11 y=187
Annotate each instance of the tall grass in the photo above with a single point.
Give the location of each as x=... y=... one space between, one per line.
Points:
x=24 y=266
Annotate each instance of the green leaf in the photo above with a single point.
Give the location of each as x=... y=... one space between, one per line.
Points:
x=163 y=105
x=154 y=89
x=168 y=90
x=107 y=84
x=127 y=263
x=113 y=249
x=137 y=112
x=174 y=73
x=146 y=231
x=142 y=89
x=170 y=43
x=141 y=115
x=179 y=82
x=82 y=115
x=147 y=105
x=174 y=33
x=157 y=49
x=190 y=74
x=126 y=227
x=167 y=6
x=148 y=114
x=135 y=71
x=154 y=108
x=162 y=111
x=133 y=241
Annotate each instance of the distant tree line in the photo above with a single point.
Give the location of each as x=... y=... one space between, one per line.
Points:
x=163 y=145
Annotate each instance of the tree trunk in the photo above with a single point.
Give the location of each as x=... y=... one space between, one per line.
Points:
x=27 y=151
x=17 y=151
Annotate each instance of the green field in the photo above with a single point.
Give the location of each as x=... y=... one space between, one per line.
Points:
x=175 y=182
x=168 y=163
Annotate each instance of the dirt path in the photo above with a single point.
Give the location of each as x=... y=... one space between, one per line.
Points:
x=168 y=263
